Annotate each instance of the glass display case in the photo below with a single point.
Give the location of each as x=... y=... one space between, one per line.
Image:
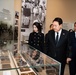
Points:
x=27 y=61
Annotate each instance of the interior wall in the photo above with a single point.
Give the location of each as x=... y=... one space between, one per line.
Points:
x=56 y=8
x=60 y=8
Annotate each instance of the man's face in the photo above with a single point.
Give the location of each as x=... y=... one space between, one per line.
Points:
x=56 y=26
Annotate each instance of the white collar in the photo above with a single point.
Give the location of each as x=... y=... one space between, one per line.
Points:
x=59 y=33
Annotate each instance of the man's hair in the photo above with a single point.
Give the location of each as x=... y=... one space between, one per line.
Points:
x=59 y=20
x=74 y=23
x=51 y=25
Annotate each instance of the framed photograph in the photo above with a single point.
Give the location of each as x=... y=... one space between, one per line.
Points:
x=22 y=30
x=33 y=11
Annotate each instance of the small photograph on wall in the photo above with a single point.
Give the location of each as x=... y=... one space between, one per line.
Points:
x=16 y=14
x=16 y=18
x=22 y=30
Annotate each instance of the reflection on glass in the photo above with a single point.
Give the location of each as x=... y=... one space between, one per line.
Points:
x=6 y=35
x=40 y=62
x=15 y=34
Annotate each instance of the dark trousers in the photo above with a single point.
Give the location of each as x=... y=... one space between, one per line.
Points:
x=62 y=68
x=72 y=66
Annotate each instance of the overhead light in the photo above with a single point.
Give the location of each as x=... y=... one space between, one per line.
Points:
x=5 y=18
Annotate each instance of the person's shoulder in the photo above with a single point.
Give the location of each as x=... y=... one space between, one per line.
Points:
x=50 y=31
x=32 y=33
x=42 y=34
x=66 y=31
x=72 y=32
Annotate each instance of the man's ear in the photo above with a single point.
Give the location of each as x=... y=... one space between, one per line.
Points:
x=61 y=26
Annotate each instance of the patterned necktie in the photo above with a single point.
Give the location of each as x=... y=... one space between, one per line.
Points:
x=56 y=41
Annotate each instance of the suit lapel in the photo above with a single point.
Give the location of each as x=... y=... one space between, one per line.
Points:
x=53 y=37
x=73 y=34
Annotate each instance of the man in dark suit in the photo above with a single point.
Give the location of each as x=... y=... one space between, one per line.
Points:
x=56 y=43
x=72 y=59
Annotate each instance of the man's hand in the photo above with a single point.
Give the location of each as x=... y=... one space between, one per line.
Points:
x=68 y=60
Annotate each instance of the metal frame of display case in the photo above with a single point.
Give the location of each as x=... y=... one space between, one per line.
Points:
x=27 y=61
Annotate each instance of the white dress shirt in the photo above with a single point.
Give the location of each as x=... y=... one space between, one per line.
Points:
x=59 y=34
x=75 y=34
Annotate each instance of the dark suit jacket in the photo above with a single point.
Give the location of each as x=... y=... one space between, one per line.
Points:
x=73 y=44
x=58 y=51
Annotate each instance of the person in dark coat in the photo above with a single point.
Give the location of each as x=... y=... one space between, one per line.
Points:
x=56 y=42
x=72 y=59
x=36 y=38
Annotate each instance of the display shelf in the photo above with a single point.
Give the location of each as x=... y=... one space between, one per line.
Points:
x=6 y=63
x=22 y=65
